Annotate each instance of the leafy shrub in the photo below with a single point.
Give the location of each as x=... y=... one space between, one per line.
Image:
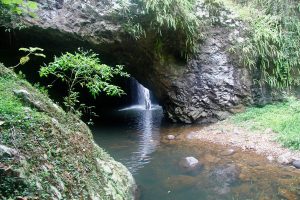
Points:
x=36 y=51
x=83 y=68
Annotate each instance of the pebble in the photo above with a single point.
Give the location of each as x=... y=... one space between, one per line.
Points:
x=189 y=162
x=228 y=152
x=270 y=158
x=171 y=137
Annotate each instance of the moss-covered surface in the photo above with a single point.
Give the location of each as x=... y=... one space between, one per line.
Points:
x=48 y=154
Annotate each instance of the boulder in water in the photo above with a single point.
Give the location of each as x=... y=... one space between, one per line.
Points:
x=190 y=165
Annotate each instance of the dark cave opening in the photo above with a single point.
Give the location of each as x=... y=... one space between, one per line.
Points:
x=10 y=55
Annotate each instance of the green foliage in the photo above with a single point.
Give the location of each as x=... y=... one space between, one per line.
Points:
x=84 y=68
x=36 y=51
x=19 y=6
x=10 y=9
x=214 y=8
x=283 y=118
x=170 y=22
x=14 y=118
x=42 y=89
x=274 y=44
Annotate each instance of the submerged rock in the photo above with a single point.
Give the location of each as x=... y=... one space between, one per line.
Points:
x=226 y=174
x=223 y=177
x=189 y=162
x=190 y=165
x=171 y=137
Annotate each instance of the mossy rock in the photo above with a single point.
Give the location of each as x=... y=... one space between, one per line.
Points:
x=54 y=156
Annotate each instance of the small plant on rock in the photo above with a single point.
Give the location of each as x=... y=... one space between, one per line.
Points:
x=31 y=51
x=83 y=68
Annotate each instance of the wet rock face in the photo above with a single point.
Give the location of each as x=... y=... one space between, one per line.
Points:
x=73 y=23
x=209 y=87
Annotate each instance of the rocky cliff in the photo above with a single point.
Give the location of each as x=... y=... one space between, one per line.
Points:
x=46 y=153
x=207 y=88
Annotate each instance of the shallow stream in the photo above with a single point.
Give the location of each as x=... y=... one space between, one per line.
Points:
x=138 y=139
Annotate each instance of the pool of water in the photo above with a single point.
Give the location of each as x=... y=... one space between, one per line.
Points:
x=138 y=139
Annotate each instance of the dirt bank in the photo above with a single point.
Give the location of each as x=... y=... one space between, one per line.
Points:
x=229 y=134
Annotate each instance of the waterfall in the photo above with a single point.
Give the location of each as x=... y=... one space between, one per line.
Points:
x=140 y=95
x=143 y=96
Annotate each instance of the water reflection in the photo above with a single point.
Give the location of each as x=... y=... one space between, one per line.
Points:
x=147 y=140
x=136 y=138
x=134 y=124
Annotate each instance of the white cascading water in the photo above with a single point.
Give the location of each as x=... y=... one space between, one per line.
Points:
x=143 y=96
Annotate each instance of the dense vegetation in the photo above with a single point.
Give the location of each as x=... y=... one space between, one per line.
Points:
x=273 y=47
x=273 y=44
x=283 y=118
x=272 y=41
x=83 y=68
x=172 y=24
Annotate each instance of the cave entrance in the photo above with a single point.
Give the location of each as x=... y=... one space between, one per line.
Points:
x=137 y=96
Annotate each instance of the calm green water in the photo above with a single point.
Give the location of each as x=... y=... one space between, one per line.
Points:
x=137 y=138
